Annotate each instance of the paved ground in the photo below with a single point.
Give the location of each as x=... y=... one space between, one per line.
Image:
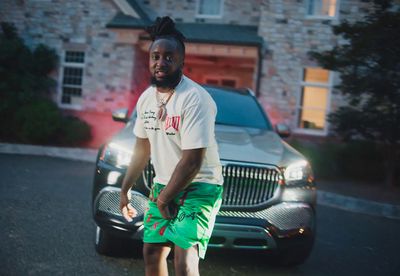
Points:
x=47 y=229
x=351 y=196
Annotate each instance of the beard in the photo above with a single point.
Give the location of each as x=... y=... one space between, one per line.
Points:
x=169 y=81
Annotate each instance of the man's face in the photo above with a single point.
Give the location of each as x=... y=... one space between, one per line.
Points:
x=166 y=62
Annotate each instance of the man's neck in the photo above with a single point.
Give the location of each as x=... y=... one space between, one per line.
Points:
x=164 y=89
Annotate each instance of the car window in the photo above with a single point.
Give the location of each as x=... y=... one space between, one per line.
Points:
x=238 y=109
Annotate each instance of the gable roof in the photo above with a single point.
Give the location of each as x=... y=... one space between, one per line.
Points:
x=198 y=32
x=194 y=32
x=138 y=10
x=123 y=21
x=220 y=34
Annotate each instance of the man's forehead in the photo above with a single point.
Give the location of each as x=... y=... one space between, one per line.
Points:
x=164 y=45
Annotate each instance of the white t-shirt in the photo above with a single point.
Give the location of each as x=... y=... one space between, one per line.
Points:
x=189 y=124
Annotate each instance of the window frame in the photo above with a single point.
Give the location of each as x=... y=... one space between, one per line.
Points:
x=209 y=16
x=299 y=105
x=219 y=80
x=65 y=64
x=323 y=17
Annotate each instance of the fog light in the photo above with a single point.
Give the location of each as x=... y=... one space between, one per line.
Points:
x=112 y=178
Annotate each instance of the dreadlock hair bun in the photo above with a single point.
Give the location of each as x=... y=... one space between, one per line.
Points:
x=164 y=27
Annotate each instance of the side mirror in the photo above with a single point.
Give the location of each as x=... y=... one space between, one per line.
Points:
x=282 y=130
x=120 y=115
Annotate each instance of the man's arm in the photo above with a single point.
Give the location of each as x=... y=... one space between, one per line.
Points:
x=186 y=169
x=139 y=160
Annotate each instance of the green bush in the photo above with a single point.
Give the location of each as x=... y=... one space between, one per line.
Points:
x=73 y=132
x=37 y=122
x=41 y=122
x=27 y=114
x=356 y=160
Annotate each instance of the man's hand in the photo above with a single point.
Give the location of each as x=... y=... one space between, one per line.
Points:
x=167 y=210
x=139 y=160
x=126 y=208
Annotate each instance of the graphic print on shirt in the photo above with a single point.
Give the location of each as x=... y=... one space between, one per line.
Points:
x=171 y=124
x=149 y=120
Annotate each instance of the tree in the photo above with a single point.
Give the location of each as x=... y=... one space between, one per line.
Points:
x=23 y=77
x=369 y=68
x=27 y=113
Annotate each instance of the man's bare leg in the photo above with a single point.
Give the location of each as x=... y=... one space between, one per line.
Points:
x=186 y=261
x=155 y=258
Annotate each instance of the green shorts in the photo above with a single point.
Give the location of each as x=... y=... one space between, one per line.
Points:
x=198 y=205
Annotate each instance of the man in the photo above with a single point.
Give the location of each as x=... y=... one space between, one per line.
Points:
x=175 y=126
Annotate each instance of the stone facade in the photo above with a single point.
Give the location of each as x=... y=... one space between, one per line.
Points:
x=71 y=25
x=289 y=35
x=234 y=11
x=116 y=73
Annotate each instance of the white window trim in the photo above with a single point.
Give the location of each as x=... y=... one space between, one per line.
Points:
x=126 y=8
x=206 y=16
x=323 y=17
x=329 y=86
x=220 y=78
x=61 y=76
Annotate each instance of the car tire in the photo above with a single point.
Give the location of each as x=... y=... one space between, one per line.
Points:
x=105 y=243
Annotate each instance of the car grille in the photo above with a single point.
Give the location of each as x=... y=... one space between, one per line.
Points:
x=108 y=202
x=244 y=185
x=248 y=185
x=285 y=216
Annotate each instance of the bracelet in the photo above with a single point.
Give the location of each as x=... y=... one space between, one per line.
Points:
x=162 y=202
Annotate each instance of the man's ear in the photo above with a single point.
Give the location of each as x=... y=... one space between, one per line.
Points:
x=182 y=63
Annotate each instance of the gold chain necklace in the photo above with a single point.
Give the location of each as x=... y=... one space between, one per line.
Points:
x=161 y=103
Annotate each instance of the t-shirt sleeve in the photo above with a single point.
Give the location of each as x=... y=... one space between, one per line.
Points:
x=138 y=128
x=198 y=125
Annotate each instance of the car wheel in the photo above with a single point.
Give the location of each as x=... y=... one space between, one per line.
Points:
x=105 y=243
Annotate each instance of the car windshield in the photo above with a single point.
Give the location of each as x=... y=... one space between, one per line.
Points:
x=238 y=108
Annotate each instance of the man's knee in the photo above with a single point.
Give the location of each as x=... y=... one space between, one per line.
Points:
x=153 y=253
x=186 y=261
x=183 y=267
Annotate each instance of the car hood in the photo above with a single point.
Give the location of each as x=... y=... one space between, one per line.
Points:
x=253 y=145
x=239 y=144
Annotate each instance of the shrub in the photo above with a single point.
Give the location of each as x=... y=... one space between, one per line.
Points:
x=26 y=112
x=37 y=122
x=356 y=160
x=73 y=132
x=41 y=122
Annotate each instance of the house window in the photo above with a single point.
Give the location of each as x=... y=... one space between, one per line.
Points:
x=314 y=99
x=322 y=8
x=226 y=82
x=72 y=78
x=209 y=8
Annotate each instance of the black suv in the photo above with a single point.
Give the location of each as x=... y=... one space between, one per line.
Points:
x=269 y=195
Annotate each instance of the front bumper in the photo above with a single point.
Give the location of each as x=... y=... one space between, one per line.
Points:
x=107 y=215
x=265 y=229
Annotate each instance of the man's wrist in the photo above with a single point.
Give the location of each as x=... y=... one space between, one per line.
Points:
x=125 y=189
x=161 y=201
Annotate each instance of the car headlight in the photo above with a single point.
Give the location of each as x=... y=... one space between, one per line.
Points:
x=298 y=172
x=116 y=155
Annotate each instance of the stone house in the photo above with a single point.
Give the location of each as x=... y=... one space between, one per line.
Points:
x=261 y=44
